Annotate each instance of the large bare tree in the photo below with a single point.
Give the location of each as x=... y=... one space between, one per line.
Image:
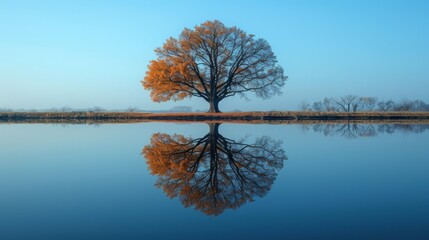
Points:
x=213 y=62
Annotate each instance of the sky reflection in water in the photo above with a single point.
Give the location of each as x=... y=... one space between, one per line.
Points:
x=80 y=181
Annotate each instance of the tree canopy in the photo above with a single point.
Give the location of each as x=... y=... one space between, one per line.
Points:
x=213 y=62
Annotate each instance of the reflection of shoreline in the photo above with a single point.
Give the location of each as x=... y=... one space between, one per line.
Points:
x=354 y=130
x=213 y=173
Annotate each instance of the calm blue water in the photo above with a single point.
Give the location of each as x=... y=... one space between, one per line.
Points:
x=176 y=181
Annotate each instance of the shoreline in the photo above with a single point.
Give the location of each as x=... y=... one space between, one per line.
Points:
x=274 y=117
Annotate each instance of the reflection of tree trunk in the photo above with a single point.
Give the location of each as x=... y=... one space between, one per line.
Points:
x=214 y=106
x=214 y=159
x=214 y=128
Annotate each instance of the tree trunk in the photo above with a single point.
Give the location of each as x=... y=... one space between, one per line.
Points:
x=214 y=106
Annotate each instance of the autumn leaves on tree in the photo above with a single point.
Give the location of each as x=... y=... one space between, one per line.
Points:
x=213 y=62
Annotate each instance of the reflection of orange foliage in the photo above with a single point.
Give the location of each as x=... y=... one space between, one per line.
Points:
x=213 y=173
x=163 y=155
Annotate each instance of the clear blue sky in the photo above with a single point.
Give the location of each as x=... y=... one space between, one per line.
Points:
x=94 y=53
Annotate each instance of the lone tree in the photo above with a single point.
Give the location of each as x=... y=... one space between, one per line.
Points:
x=213 y=62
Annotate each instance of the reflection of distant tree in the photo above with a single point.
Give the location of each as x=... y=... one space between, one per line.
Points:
x=355 y=130
x=405 y=128
x=346 y=130
x=213 y=173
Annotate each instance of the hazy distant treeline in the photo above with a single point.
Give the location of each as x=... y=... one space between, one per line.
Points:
x=96 y=109
x=353 y=103
x=61 y=109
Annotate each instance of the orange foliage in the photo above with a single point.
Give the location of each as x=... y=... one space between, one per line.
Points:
x=163 y=79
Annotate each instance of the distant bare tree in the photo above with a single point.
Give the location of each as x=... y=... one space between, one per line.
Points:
x=318 y=106
x=181 y=109
x=404 y=106
x=419 y=105
x=66 y=109
x=358 y=105
x=329 y=104
x=96 y=109
x=409 y=105
x=305 y=106
x=131 y=109
x=347 y=103
x=368 y=103
x=386 y=106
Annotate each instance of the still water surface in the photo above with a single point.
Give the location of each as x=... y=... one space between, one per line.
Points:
x=228 y=181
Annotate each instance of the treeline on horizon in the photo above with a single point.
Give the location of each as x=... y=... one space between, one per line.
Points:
x=354 y=103
x=63 y=109
x=98 y=109
x=348 y=103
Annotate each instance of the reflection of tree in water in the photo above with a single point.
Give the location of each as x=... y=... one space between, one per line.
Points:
x=213 y=173
x=346 y=130
x=404 y=128
x=355 y=130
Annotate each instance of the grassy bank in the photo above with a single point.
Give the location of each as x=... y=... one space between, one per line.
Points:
x=273 y=116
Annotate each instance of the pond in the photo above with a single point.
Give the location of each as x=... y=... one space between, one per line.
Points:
x=214 y=181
